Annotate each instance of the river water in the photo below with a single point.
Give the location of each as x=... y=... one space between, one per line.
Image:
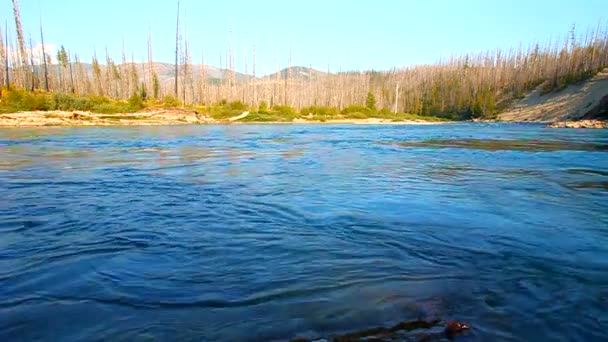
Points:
x=269 y=232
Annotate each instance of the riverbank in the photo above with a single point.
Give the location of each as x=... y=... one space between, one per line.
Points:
x=580 y=124
x=584 y=100
x=165 y=117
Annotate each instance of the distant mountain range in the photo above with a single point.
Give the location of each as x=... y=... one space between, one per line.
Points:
x=166 y=72
x=297 y=72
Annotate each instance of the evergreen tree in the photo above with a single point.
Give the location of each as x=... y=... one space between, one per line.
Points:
x=370 y=103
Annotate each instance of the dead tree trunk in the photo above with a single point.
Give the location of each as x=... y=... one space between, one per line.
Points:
x=21 y=42
x=177 y=53
x=46 y=70
x=72 y=87
x=3 y=60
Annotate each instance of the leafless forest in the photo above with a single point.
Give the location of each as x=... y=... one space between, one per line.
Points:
x=468 y=85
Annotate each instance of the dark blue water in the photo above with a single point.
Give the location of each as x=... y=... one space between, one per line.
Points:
x=258 y=233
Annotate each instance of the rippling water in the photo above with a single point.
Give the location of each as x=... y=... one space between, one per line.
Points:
x=241 y=233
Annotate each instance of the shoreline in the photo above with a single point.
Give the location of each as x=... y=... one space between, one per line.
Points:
x=164 y=118
x=186 y=118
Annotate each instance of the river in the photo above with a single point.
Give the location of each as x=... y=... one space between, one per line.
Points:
x=269 y=232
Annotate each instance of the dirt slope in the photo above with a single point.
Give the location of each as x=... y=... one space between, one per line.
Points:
x=585 y=100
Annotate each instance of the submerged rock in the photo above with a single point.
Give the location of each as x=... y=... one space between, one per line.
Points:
x=580 y=124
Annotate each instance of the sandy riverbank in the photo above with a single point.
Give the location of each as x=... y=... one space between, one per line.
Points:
x=585 y=100
x=161 y=117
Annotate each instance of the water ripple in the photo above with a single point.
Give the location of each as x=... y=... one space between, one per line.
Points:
x=250 y=233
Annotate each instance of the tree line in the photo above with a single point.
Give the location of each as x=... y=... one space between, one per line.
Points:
x=465 y=86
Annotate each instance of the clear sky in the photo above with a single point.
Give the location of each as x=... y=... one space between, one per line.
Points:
x=350 y=35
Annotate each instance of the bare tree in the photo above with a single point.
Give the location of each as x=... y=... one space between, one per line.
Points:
x=21 y=41
x=97 y=75
x=72 y=86
x=33 y=70
x=255 y=78
x=3 y=60
x=177 y=53
x=152 y=78
x=46 y=70
x=125 y=83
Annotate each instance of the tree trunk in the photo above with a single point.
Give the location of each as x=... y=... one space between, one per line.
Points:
x=177 y=53
x=3 y=60
x=46 y=70
x=21 y=41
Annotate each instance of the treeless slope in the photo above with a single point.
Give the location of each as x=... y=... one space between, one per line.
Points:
x=573 y=103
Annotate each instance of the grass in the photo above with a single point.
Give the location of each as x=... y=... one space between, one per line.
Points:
x=223 y=111
x=271 y=116
x=276 y=116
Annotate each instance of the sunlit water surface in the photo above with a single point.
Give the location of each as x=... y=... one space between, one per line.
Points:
x=258 y=233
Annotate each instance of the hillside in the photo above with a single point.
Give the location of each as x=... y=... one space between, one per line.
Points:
x=165 y=71
x=586 y=100
x=297 y=73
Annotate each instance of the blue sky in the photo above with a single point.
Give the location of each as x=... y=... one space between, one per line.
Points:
x=349 y=35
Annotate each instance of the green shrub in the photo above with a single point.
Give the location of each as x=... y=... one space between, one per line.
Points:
x=287 y=110
x=356 y=115
x=111 y=108
x=356 y=109
x=263 y=108
x=238 y=105
x=97 y=100
x=171 y=101
x=267 y=117
x=223 y=112
x=62 y=102
x=20 y=100
x=320 y=111
x=136 y=102
x=72 y=102
x=307 y=110
x=385 y=111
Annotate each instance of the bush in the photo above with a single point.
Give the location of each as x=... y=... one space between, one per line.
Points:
x=357 y=115
x=268 y=117
x=62 y=102
x=111 y=108
x=263 y=108
x=20 y=100
x=385 y=111
x=136 y=102
x=284 y=110
x=171 y=101
x=356 y=109
x=223 y=112
x=238 y=105
x=320 y=111
x=72 y=102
